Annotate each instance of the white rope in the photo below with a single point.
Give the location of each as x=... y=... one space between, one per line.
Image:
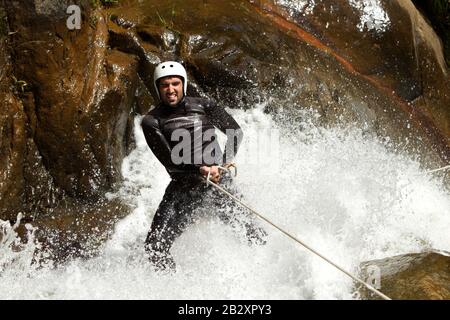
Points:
x=368 y=286
x=438 y=169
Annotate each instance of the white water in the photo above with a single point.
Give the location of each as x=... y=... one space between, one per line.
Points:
x=372 y=16
x=341 y=192
x=299 y=6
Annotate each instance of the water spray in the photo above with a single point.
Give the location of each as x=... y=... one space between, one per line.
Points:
x=368 y=286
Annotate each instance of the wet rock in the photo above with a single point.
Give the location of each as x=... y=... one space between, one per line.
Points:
x=74 y=230
x=74 y=117
x=417 y=276
x=389 y=45
x=16 y=148
x=12 y=149
x=130 y=42
x=438 y=13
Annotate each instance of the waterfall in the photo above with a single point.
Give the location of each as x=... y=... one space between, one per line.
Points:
x=347 y=193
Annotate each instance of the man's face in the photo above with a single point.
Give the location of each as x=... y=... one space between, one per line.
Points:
x=171 y=90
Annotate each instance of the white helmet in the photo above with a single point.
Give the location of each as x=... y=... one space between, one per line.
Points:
x=169 y=68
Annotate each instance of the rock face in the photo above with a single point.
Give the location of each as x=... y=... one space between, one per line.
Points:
x=68 y=96
x=385 y=43
x=12 y=129
x=420 y=276
x=68 y=118
x=438 y=13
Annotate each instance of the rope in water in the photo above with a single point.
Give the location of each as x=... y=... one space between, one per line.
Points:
x=368 y=286
x=438 y=169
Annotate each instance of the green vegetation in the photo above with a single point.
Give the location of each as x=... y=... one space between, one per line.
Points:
x=168 y=24
x=438 y=12
x=21 y=85
x=93 y=21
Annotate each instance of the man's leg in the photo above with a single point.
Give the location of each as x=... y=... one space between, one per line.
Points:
x=161 y=236
x=172 y=217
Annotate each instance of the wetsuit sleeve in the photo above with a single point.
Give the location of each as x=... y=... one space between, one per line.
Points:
x=226 y=123
x=156 y=140
x=161 y=148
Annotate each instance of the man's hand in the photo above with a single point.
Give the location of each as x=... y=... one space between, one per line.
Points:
x=215 y=173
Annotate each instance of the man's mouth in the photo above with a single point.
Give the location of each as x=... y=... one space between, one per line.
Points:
x=172 y=96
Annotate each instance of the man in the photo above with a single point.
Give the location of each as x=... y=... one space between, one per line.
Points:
x=191 y=120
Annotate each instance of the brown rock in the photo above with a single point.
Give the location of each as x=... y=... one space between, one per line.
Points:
x=404 y=62
x=74 y=230
x=413 y=276
x=77 y=106
x=12 y=131
x=12 y=149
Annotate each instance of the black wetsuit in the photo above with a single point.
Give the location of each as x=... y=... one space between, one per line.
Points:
x=187 y=196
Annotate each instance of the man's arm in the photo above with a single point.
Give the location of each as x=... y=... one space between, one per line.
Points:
x=156 y=140
x=226 y=123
